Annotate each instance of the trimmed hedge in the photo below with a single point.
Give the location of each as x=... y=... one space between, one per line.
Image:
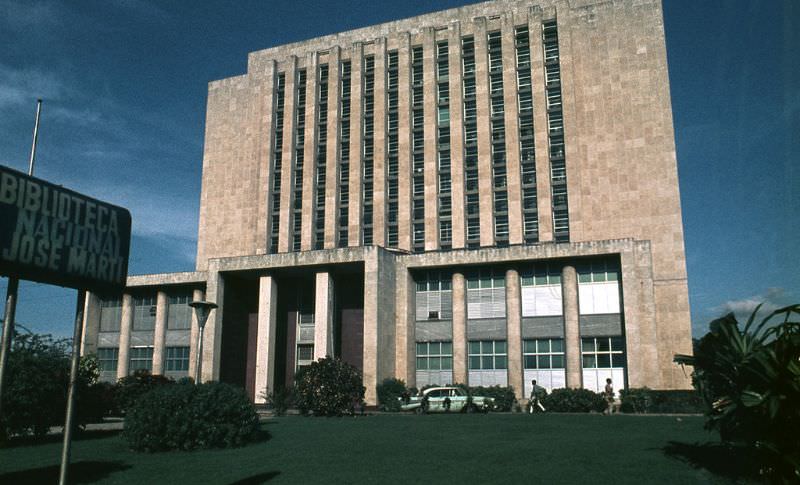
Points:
x=574 y=401
x=186 y=417
x=647 y=401
x=328 y=387
x=503 y=396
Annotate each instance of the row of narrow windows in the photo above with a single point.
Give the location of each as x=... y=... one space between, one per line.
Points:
x=443 y=175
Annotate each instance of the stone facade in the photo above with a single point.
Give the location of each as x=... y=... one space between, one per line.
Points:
x=601 y=106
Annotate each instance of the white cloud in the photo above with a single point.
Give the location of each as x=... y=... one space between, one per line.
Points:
x=771 y=300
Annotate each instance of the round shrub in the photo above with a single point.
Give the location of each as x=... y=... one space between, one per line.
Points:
x=328 y=387
x=574 y=401
x=186 y=417
x=388 y=393
x=131 y=388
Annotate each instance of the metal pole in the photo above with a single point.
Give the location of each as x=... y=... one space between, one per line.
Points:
x=13 y=282
x=8 y=330
x=73 y=377
x=35 y=136
x=199 y=358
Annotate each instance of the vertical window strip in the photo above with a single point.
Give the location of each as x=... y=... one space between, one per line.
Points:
x=443 y=145
x=392 y=150
x=498 y=139
x=299 y=136
x=555 y=131
x=418 y=149
x=321 y=159
x=470 y=142
x=344 y=156
x=369 y=148
x=277 y=160
x=530 y=215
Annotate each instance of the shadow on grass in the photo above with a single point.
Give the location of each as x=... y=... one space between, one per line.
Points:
x=79 y=472
x=256 y=479
x=58 y=438
x=733 y=462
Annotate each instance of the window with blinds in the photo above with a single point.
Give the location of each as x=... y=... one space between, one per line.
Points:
x=486 y=294
x=434 y=296
x=541 y=290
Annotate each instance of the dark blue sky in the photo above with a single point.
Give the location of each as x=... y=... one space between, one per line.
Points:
x=125 y=83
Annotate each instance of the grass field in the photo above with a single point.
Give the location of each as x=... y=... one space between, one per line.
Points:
x=493 y=448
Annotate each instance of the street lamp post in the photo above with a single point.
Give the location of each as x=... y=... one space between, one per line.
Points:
x=201 y=310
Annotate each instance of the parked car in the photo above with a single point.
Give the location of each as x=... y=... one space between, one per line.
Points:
x=447 y=399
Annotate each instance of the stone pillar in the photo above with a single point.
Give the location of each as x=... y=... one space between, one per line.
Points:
x=514 y=333
x=91 y=324
x=379 y=152
x=323 y=316
x=212 y=335
x=511 y=109
x=355 y=208
x=431 y=166
x=332 y=156
x=485 y=179
x=287 y=161
x=459 y=328
x=265 y=344
x=160 y=333
x=456 y=133
x=572 y=334
x=404 y=224
x=371 y=327
x=125 y=327
x=405 y=343
x=310 y=153
x=197 y=295
x=267 y=79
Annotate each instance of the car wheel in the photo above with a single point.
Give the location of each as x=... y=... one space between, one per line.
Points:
x=420 y=410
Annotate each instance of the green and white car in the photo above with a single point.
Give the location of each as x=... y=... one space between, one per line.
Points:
x=446 y=399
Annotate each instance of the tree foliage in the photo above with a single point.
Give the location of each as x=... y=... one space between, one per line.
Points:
x=328 y=387
x=749 y=378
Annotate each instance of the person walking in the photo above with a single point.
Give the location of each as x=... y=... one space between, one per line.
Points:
x=534 y=404
x=608 y=394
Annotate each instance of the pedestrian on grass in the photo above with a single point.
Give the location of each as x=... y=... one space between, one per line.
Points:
x=534 y=404
x=608 y=394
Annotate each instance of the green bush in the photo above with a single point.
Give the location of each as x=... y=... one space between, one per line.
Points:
x=388 y=393
x=504 y=398
x=187 y=417
x=131 y=388
x=574 y=401
x=280 y=399
x=648 y=401
x=328 y=387
x=37 y=379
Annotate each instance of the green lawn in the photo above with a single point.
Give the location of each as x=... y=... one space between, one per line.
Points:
x=493 y=448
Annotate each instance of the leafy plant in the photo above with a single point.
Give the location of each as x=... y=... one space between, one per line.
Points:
x=503 y=396
x=328 y=387
x=388 y=393
x=187 y=416
x=749 y=379
x=131 y=388
x=280 y=400
x=574 y=401
x=644 y=400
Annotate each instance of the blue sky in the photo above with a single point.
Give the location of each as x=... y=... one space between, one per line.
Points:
x=125 y=84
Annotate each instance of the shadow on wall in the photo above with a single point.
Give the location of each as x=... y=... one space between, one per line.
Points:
x=79 y=472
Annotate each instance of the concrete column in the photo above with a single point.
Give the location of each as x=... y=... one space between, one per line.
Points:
x=459 y=328
x=485 y=185
x=125 y=327
x=355 y=207
x=197 y=295
x=160 y=333
x=265 y=89
x=511 y=121
x=572 y=334
x=404 y=141
x=332 y=157
x=91 y=324
x=287 y=162
x=265 y=344
x=456 y=133
x=379 y=154
x=514 y=333
x=212 y=335
x=544 y=201
x=372 y=349
x=323 y=316
x=431 y=170
x=405 y=343
x=310 y=152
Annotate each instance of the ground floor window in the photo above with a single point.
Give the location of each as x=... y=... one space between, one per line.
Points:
x=434 y=356
x=603 y=358
x=305 y=355
x=141 y=358
x=107 y=358
x=546 y=353
x=177 y=359
x=488 y=354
